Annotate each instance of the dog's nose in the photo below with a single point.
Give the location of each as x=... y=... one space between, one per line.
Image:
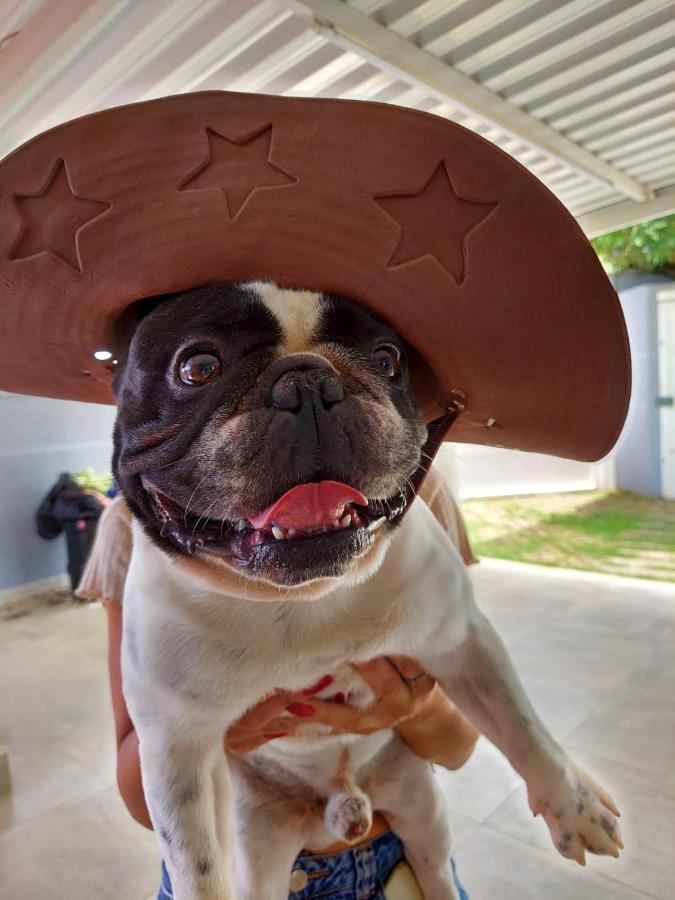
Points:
x=309 y=384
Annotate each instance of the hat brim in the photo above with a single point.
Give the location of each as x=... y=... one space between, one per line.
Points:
x=467 y=255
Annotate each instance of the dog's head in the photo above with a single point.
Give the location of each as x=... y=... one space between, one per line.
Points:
x=271 y=431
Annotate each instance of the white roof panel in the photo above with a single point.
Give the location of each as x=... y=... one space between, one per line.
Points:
x=581 y=93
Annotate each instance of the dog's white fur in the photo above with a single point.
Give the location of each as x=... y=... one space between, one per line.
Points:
x=193 y=661
x=196 y=656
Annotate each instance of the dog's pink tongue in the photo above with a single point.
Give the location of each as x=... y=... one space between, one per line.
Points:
x=309 y=505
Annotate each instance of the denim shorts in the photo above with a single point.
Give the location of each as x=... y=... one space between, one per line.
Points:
x=354 y=874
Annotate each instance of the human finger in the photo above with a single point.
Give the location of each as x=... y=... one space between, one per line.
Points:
x=286 y=725
x=341 y=717
x=421 y=687
x=398 y=678
x=417 y=681
x=240 y=739
x=256 y=717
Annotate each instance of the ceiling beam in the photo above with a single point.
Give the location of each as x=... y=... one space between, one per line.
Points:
x=621 y=215
x=225 y=45
x=340 y=23
x=44 y=48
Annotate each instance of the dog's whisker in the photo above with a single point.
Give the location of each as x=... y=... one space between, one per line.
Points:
x=409 y=482
x=192 y=496
x=204 y=514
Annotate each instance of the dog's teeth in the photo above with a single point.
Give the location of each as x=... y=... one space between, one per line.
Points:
x=278 y=533
x=291 y=532
x=241 y=525
x=378 y=523
x=346 y=520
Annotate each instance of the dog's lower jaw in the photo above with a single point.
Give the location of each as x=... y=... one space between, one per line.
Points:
x=219 y=576
x=283 y=557
x=293 y=563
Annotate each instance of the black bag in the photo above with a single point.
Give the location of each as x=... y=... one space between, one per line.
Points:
x=67 y=508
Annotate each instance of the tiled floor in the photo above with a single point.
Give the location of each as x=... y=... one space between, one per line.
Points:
x=596 y=654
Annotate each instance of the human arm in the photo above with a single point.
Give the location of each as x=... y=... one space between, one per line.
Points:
x=128 y=760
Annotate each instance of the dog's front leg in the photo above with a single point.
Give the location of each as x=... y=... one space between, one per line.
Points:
x=186 y=785
x=480 y=677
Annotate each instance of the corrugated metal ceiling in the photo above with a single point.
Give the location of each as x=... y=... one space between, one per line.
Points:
x=582 y=92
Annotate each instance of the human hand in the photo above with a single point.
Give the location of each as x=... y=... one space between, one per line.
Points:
x=401 y=690
x=409 y=700
x=270 y=718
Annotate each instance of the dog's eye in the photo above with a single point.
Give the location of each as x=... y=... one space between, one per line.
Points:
x=200 y=368
x=388 y=360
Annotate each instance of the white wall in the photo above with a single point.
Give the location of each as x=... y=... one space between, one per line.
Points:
x=638 y=451
x=476 y=471
x=39 y=439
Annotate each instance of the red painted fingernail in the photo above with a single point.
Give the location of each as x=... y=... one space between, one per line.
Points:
x=319 y=686
x=339 y=697
x=275 y=734
x=357 y=829
x=300 y=709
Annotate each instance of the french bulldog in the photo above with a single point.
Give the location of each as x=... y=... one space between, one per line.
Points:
x=266 y=440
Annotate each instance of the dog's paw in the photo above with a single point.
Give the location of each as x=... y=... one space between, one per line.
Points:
x=580 y=815
x=348 y=817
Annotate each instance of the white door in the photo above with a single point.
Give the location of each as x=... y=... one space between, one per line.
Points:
x=666 y=400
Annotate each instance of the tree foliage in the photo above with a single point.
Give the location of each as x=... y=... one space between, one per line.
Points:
x=648 y=247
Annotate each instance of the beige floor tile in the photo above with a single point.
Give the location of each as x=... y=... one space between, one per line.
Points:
x=481 y=785
x=44 y=777
x=86 y=850
x=561 y=705
x=647 y=803
x=49 y=692
x=595 y=662
x=93 y=747
x=636 y=723
x=515 y=610
x=81 y=627
x=462 y=829
x=492 y=866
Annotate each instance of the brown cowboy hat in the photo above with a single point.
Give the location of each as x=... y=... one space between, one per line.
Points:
x=451 y=241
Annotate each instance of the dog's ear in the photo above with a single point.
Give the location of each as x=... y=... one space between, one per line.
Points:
x=423 y=383
x=126 y=328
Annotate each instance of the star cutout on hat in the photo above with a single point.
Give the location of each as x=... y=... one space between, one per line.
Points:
x=238 y=167
x=53 y=218
x=434 y=221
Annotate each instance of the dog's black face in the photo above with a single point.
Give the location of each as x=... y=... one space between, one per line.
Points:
x=231 y=396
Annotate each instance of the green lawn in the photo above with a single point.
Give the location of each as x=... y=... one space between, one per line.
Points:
x=599 y=531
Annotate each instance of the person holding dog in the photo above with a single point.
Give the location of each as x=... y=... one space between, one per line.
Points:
x=406 y=698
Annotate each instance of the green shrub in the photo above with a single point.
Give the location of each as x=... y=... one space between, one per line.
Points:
x=648 y=247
